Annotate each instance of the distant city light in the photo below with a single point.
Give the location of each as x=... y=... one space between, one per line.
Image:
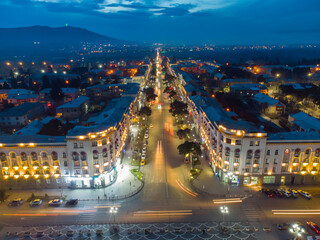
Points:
x=43 y=71
x=100 y=65
x=8 y=63
x=64 y=72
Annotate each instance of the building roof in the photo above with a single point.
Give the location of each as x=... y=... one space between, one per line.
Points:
x=20 y=110
x=64 y=90
x=37 y=139
x=77 y=102
x=248 y=86
x=305 y=121
x=109 y=117
x=263 y=98
x=294 y=136
x=22 y=96
x=16 y=91
x=216 y=113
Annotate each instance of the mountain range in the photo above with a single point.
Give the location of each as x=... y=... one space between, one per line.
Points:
x=45 y=40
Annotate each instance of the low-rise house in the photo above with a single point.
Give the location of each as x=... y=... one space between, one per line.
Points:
x=21 y=115
x=248 y=89
x=22 y=98
x=101 y=91
x=69 y=94
x=269 y=105
x=304 y=123
x=74 y=110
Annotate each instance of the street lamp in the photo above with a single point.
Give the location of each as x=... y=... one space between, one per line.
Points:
x=224 y=210
x=113 y=210
x=297 y=230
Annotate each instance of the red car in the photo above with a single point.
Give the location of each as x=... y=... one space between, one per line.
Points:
x=314 y=227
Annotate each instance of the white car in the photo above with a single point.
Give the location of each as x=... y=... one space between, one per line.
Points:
x=144 y=151
x=55 y=202
x=143 y=156
x=35 y=202
x=146 y=135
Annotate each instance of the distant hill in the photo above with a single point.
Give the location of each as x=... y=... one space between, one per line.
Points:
x=47 y=40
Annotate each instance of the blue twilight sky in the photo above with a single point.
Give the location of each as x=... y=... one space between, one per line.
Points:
x=176 y=21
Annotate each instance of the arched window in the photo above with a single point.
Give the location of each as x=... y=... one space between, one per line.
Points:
x=3 y=157
x=44 y=155
x=249 y=154
x=23 y=156
x=257 y=154
x=75 y=156
x=237 y=153
x=13 y=155
x=227 y=152
x=317 y=152
x=105 y=153
x=34 y=156
x=268 y=152
x=307 y=151
x=95 y=154
x=83 y=156
x=64 y=155
x=54 y=156
x=297 y=152
x=276 y=152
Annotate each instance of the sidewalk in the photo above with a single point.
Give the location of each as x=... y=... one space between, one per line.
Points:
x=207 y=183
x=125 y=186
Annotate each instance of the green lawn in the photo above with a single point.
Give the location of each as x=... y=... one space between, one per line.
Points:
x=137 y=173
x=194 y=173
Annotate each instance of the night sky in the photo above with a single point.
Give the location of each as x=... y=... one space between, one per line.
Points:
x=176 y=21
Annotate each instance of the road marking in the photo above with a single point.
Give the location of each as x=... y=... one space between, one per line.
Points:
x=296 y=212
x=173 y=213
x=185 y=189
x=224 y=201
x=107 y=206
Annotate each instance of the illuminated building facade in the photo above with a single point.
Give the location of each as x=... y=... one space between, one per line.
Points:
x=87 y=157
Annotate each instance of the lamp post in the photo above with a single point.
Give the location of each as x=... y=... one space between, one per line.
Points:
x=297 y=230
x=224 y=210
x=113 y=210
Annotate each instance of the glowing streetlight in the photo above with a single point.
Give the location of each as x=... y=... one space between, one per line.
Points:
x=297 y=230
x=278 y=75
x=113 y=210
x=100 y=65
x=64 y=72
x=224 y=210
x=8 y=63
x=43 y=71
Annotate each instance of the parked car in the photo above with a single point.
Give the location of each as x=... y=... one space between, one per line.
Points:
x=143 y=156
x=286 y=193
x=35 y=202
x=146 y=135
x=144 y=150
x=283 y=226
x=151 y=125
x=16 y=202
x=72 y=202
x=142 y=162
x=304 y=194
x=314 y=227
x=278 y=193
x=55 y=202
x=294 y=193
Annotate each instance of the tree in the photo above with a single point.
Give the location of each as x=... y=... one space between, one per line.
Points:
x=2 y=195
x=146 y=111
x=183 y=133
x=178 y=108
x=56 y=128
x=56 y=93
x=191 y=148
x=150 y=95
x=45 y=81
